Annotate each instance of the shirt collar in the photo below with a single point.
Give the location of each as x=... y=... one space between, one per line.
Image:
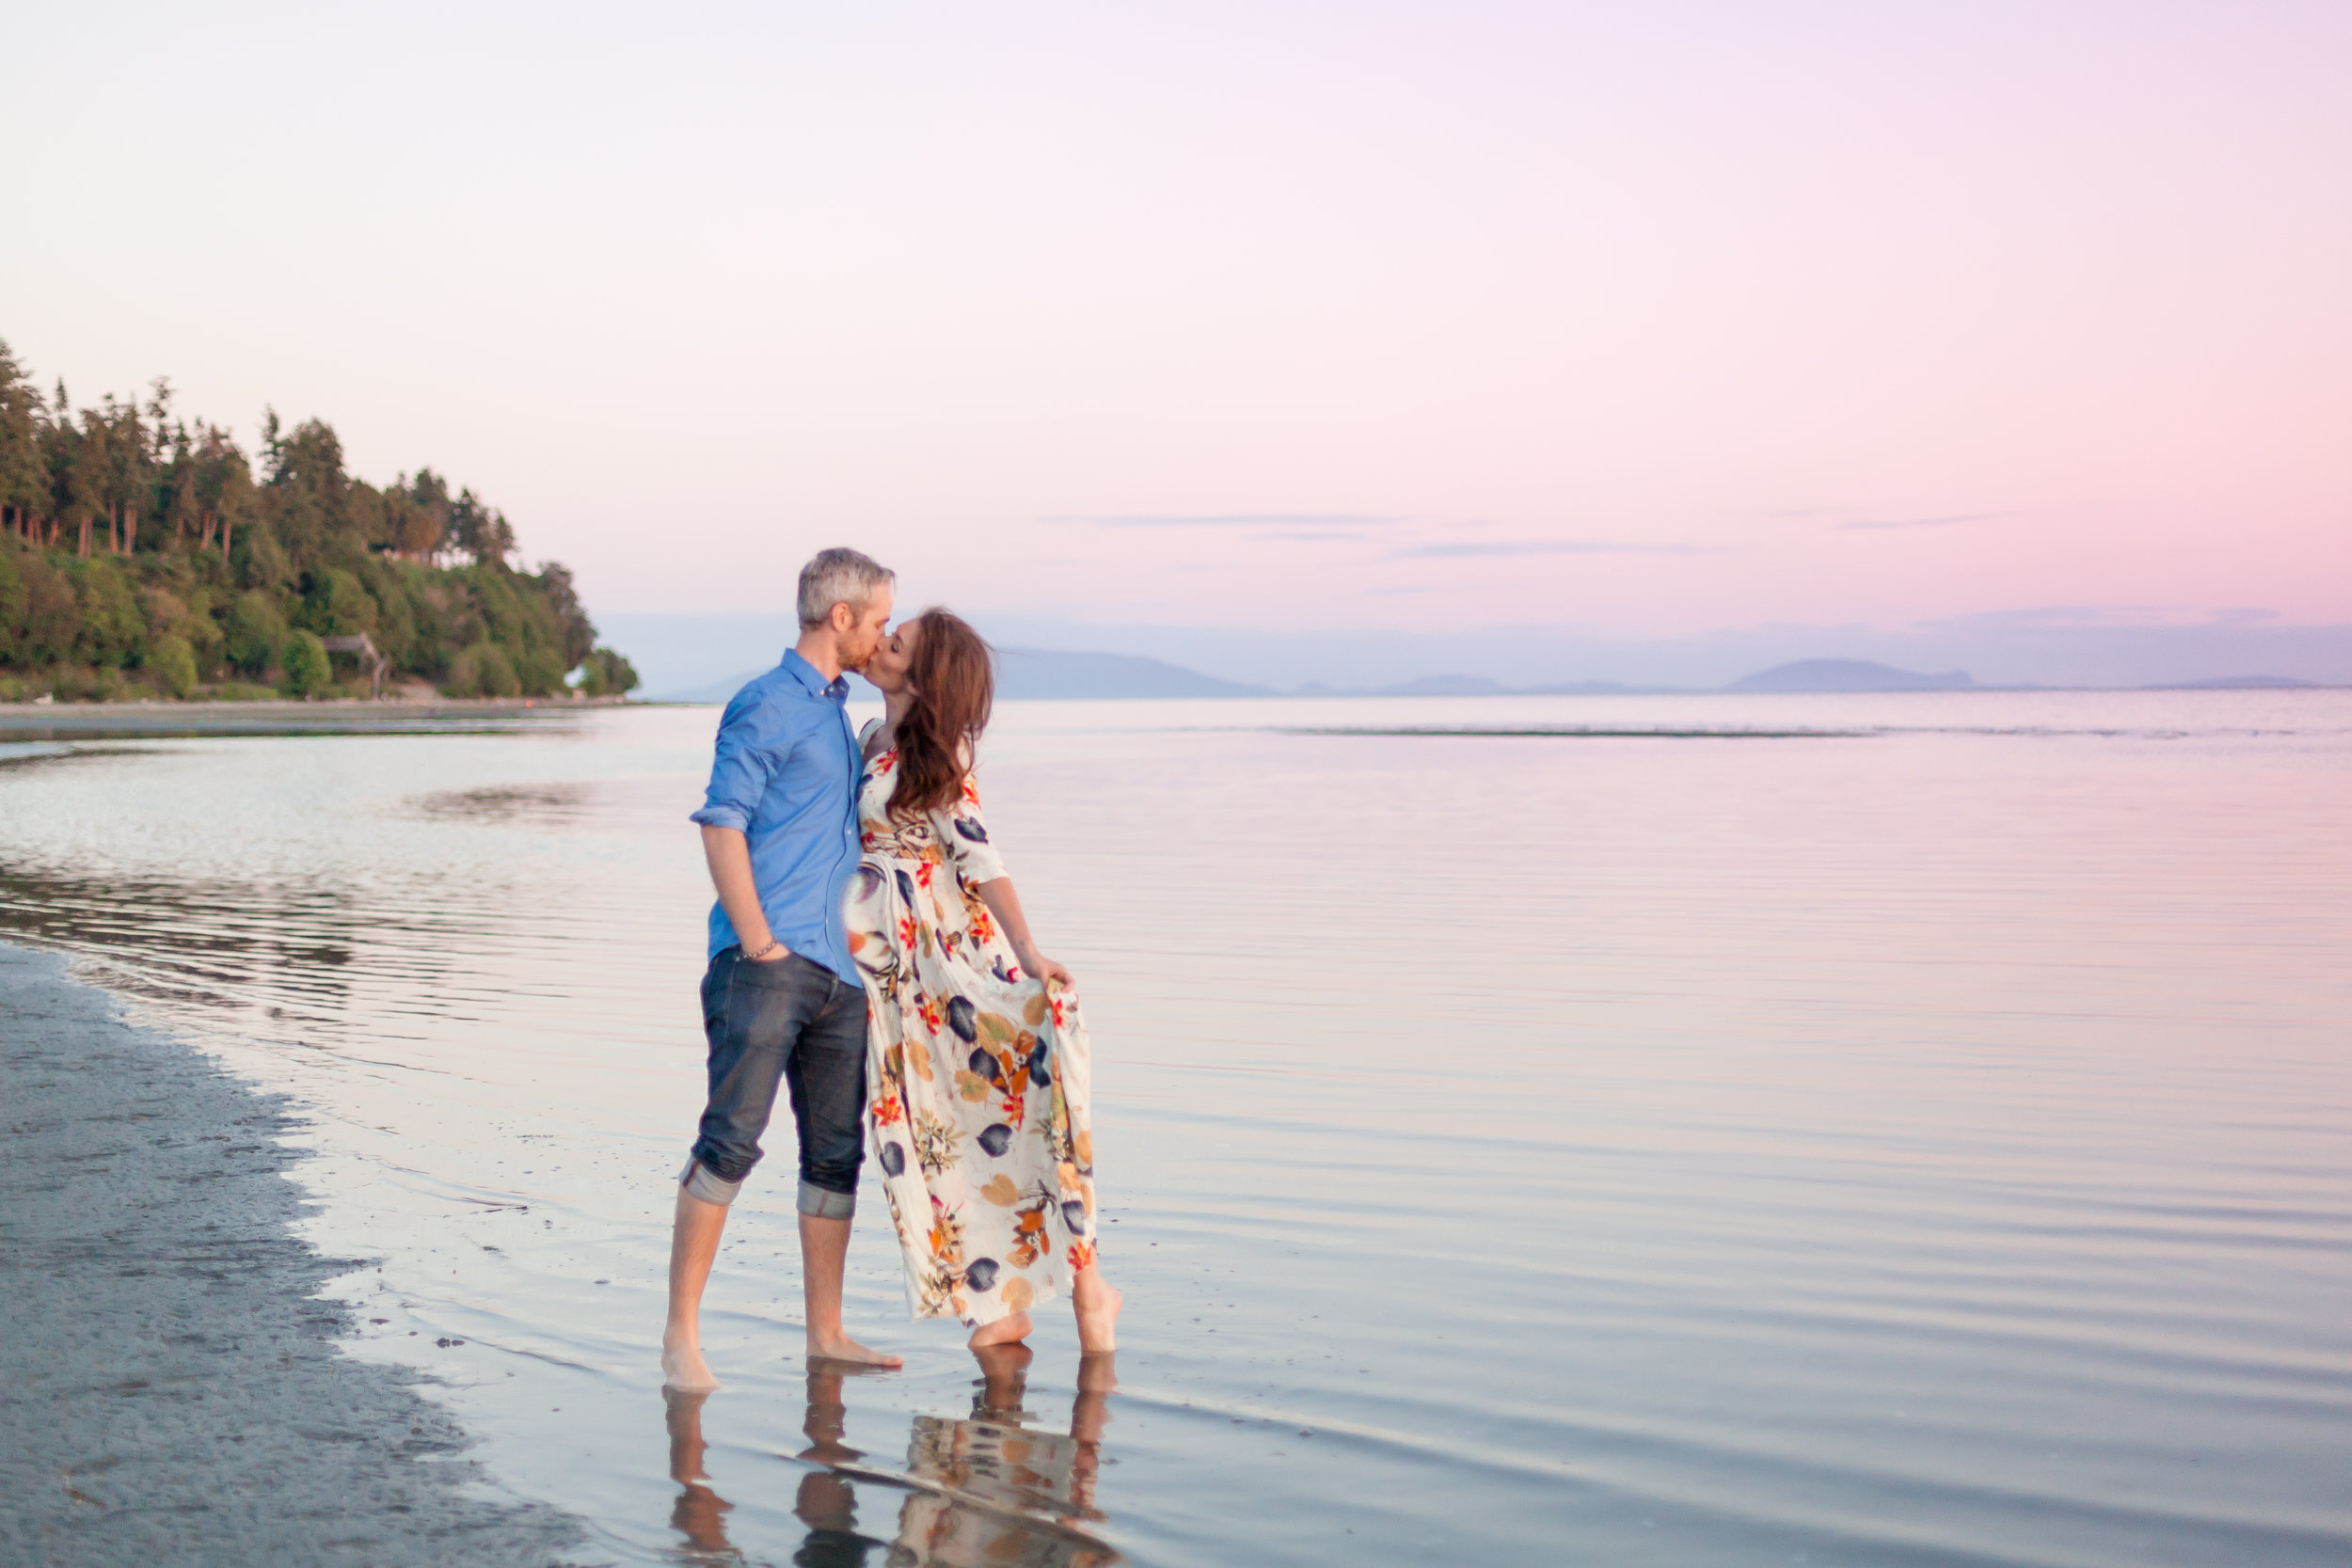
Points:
x=802 y=670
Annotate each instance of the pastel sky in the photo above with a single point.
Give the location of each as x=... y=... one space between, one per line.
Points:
x=1652 y=317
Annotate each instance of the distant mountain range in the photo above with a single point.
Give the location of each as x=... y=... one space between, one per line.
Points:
x=1060 y=674
x=687 y=652
x=1051 y=672
x=1048 y=673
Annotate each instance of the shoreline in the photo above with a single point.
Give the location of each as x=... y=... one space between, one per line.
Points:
x=314 y=704
x=62 y=722
x=171 y=1390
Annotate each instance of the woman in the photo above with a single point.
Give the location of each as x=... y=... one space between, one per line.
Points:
x=975 y=1060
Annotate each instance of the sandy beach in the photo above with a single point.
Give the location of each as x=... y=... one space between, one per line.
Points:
x=173 y=1392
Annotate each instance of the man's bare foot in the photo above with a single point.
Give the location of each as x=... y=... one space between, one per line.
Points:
x=1097 y=1306
x=1003 y=1331
x=842 y=1347
x=684 y=1369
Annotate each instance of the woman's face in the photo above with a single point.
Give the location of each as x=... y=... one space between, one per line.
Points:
x=887 y=669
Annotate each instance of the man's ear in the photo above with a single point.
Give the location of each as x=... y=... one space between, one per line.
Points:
x=843 y=619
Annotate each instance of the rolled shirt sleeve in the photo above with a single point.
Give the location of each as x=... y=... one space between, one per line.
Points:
x=784 y=774
x=752 y=746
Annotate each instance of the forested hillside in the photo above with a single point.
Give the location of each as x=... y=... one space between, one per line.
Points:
x=142 y=554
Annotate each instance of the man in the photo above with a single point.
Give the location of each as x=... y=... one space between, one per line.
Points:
x=782 y=1000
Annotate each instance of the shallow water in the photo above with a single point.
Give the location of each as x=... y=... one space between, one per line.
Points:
x=1848 y=1130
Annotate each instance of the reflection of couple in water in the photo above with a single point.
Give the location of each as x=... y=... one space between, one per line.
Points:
x=987 y=1490
x=869 y=954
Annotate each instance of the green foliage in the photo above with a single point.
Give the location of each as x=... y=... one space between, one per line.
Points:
x=308 y=672
x=13 y=598
x=173 y=663
x=113 y=633
x=23 y=467
x=483 y=671
x=194 y=622
x=124 y=525
x=540 y=672
x=334 y=605
x=47 y=621
x=606 y=674
x=255 y=632
x=73 y=683
x=577 y=635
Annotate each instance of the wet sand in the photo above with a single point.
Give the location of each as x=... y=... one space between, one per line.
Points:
x=169 y=1392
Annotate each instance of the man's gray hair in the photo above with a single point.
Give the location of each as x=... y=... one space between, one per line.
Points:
x=839 y=576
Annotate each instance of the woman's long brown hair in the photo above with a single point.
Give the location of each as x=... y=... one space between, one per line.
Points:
x=955 y=685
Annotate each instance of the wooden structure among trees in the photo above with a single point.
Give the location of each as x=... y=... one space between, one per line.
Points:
x=376 y=664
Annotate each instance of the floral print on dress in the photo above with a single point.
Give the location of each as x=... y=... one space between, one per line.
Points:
x=976 y=1075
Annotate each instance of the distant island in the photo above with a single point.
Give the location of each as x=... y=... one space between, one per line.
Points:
x=1848 y=675
x=141 y=556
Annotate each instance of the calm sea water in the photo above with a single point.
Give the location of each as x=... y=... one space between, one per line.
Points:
x=1904 y=1130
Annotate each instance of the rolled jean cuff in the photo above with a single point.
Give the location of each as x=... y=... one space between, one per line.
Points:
x=698 y=1182
x=817 y=1203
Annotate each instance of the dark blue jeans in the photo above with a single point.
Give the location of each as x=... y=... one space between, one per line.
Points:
x=793 y=1021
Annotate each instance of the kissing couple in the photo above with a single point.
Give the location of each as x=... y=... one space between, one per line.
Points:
x=869 y=954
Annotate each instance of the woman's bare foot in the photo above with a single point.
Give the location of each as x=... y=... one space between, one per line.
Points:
x=683 y=1367
x=1097 y=1306
x=840 y=1347
x=1003 y=1331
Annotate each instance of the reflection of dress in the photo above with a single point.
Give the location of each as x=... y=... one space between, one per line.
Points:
x=976 y=1075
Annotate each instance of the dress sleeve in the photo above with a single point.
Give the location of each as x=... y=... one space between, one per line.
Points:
x=964 y=837
x=752 y=746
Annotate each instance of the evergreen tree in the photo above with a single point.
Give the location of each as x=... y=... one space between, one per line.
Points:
x=23 y=473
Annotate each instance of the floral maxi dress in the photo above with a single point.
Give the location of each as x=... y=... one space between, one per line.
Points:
x=976 y=1074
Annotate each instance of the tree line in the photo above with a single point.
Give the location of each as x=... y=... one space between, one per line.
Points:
x=145 y=554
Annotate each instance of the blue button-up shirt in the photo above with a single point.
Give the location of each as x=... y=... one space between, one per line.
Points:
x=785 y=778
